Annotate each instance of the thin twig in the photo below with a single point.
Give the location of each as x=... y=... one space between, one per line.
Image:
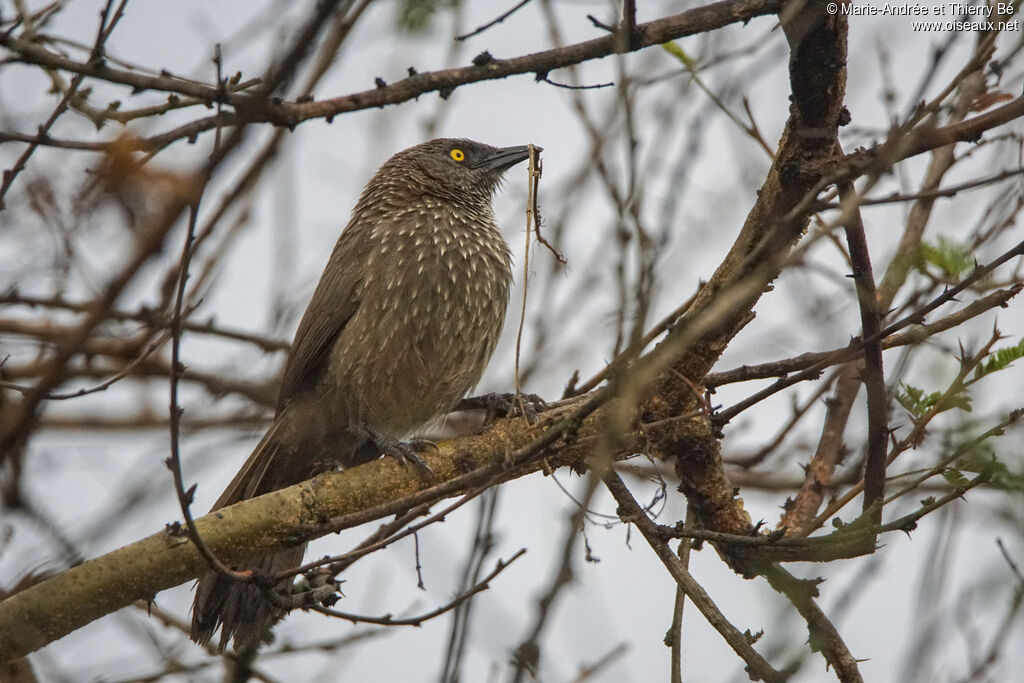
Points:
x=148 y=317
x=822 y=632
x=568 y=86
x=388 y=620
x=493 y=22
x=254 y=106
x=526 y=267
x=674 y=637
x=916 y=317
x=95 y=56
x=666 y=324
x=536 y=169
x=631 y=512
x=174 y=461
x=938 y=193
x=874 y=375
x=526 y=657
x=916 y=434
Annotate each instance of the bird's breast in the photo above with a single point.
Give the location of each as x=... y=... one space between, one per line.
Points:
x=432 y=304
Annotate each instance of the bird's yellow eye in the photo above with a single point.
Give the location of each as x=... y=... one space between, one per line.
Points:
x=457 y=154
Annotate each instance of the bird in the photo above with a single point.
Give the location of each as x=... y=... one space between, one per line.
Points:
x=400 y=327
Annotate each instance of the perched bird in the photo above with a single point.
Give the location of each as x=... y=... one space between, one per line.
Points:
x=399 y=329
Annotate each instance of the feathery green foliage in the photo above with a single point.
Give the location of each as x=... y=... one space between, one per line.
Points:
x=917 y=402
x=1000 y=359
x=415 y=16
x=952 y=259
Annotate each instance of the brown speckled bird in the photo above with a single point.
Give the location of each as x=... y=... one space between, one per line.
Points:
x=400 y=327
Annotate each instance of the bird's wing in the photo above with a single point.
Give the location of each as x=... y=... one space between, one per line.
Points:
x=333 y=303
x=248 y=478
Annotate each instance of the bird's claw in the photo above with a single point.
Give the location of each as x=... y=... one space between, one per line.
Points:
x=406 y=452
x=506 y=405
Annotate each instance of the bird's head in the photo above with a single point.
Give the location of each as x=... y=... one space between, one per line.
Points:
x=454 y=167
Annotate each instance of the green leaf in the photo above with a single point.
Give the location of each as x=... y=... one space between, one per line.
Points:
x=912 y=399
x=917 y=403
x=961 y=400
x=1000 y=359
x=955 y=478
x=415 y=16
x=983 y=461
x=949 y=257
x=680 y=54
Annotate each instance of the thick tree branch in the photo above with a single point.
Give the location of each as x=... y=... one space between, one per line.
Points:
x=774 y=224
x=288 y=517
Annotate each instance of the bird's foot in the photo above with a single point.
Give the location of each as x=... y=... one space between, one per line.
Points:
x=405 y=452
x=505 y=405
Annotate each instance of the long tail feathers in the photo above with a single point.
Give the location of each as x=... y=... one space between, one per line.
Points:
x=240 y=609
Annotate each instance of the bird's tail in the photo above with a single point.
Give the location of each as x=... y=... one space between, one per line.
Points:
x=240 y=609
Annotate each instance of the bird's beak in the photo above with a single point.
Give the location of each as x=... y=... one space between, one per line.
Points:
x=504 y=158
